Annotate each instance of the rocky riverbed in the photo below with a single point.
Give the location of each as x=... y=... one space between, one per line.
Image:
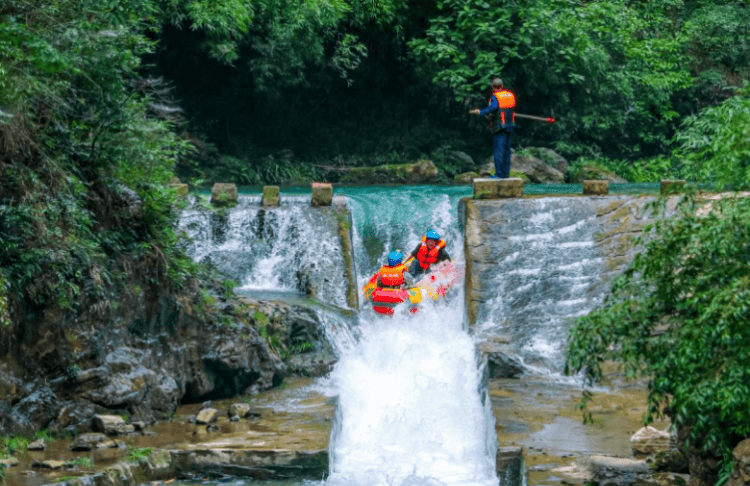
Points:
x=293 y=423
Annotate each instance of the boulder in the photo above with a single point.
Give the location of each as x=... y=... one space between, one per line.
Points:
x=37 y=445
x=8 y=462
x=223 y=194
x=536 y=170
x=34 y=411
x=649 y=440
x=207 y=416
x=87 y=442
x=48 y=464
x=549 y=157
x=423 y=171
x=501 y=362
x=466 y=177
x=741 y=458
x=112 y=424
x=242 y=410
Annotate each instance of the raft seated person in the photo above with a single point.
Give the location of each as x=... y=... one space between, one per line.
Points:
x=395 y=275
x=430 y=251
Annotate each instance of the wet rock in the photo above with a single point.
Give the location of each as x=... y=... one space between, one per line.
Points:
x=76 y=416
x=615 y=471
x=87 y=442
x=501 y=361
x=741 y=458
x=234 y=418
x=241 y=410
x=212 y=428
x=536 y=170
x=672 y=460
x=466 y=177
x=37 y=445
x=139 y=426
x=207 y=404
x=107 y=444
x=8 y=462
x=48 y=464
x=549 y=157
x=649 y=440
x=112 y=425
x=34 y=411
x=207 y=416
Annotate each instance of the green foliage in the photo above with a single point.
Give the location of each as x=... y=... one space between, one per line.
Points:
x=715 y=144
x=44 y=434
x=679 y=316
x=137 y=454
x=84 y=462
x=618 y=74
x=648 y=170
x=9 y=445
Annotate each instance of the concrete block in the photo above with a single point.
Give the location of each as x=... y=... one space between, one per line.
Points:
x=322 y=194
x=595 y=188
x=182 y=189
x=223 y=194
x=498 y=188
x=668 y=186
x=271 y=196
x=510 y=187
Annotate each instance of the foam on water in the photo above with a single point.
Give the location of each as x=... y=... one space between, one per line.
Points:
x=409 y=407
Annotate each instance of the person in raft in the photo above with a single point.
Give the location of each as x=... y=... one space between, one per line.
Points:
x=395 y=275
x=430 y=251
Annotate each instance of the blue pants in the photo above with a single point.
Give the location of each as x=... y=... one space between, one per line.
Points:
x=501 y=150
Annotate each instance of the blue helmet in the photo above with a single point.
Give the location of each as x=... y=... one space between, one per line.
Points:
x=395 y=257
x=432 y=235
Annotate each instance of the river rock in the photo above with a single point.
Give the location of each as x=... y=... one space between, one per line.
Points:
x=112 y=424
x=616 y=471
x=322 y=194
x=501 y=361
x=37 y=445
x=8 y=462
x=536 y=170
x=741 y=458
x=207 y=416
x=48 y=464
x=241 y=410
x=88 y=441
x=648 y=440
x=40 y=407
x=549 y=157
x=466 y=177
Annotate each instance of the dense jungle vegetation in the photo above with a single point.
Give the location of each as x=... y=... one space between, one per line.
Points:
x=102 y=102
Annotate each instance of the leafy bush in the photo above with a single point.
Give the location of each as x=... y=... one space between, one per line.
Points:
x=715 y=144
x=679 y=316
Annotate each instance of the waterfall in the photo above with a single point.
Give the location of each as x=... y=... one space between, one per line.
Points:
x=412 y=404
x=268 y=251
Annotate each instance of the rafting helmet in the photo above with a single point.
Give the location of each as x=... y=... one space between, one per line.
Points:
x=432 y=235
x=395 y=257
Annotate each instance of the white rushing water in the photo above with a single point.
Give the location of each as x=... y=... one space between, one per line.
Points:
x=412 y=410
x=410 y=407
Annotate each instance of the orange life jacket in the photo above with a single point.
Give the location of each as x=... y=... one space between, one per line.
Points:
x=392 y=276
x=506 y=115
x=428 y=257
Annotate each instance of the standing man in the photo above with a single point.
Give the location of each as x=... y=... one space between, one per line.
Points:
x=502 y=116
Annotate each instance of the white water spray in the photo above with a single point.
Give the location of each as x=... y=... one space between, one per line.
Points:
x=409 y=407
